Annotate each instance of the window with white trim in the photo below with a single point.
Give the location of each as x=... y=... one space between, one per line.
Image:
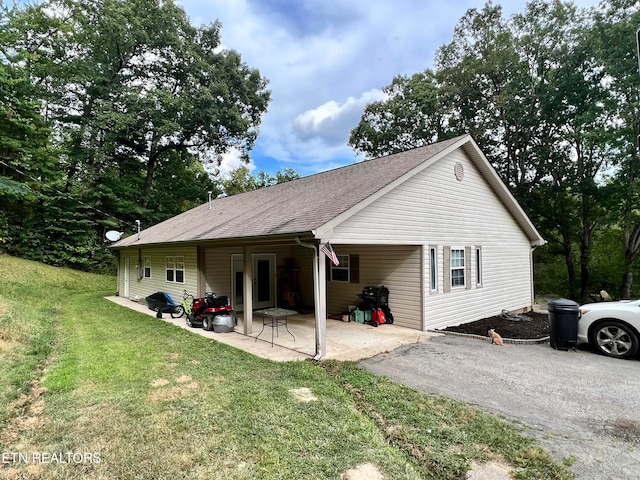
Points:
x=175 y=269
x=147 y=267
x=457 y=267
x=433 y=268
x=340 y=273
x=479 y=266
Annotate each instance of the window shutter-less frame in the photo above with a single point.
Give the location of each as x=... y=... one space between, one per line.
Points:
x=354 y=268
x=446 y=270
x=467 y=267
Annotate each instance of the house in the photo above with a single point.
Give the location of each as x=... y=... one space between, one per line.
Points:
x=435 y=225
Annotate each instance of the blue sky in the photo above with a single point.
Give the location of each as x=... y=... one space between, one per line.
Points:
x=325 y=60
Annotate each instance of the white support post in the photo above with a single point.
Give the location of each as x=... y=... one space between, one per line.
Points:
x=321 y=310
x=248 y=292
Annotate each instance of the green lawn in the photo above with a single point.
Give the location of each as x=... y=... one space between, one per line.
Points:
x=89 y=389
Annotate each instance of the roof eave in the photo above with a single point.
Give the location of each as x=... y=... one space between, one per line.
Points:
x=239 y=241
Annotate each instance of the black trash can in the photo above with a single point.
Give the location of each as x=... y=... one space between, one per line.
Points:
x=563 y=321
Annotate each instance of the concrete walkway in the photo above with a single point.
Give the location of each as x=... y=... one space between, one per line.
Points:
x=345 y=340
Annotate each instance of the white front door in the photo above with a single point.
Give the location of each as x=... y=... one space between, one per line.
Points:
x=126 y=277
x=264 y=281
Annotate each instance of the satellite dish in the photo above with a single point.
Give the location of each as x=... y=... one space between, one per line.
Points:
x=114 y=235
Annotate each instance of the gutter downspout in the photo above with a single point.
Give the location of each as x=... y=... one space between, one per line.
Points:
x=316 y=297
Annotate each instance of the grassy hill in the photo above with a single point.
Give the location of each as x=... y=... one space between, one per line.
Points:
x=89 y=389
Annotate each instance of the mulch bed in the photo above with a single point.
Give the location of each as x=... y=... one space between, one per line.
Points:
x=536 y=327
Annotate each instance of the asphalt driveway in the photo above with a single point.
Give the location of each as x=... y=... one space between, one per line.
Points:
x=579 y=405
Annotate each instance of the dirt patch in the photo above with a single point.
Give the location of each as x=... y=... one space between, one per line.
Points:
x=489 y=471
x=183 y=379
x=366 y=471
x=159 y=382
x=172 y=393
x=532 y=325
x=29 y=409
x=624 y=429
x=303 y=394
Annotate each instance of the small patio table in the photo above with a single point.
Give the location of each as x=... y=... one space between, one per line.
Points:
x=274 y=317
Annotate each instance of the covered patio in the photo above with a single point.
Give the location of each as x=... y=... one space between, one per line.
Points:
x=345 y=340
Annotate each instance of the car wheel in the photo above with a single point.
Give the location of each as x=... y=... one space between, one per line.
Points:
x=615 y=339
x=177 y=311
x=189 y=321
x=207 y=322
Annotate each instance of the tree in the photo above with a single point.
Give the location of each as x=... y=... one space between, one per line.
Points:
x=240 y=180
x=411 y=115
x=141 y=82
x=575 y=110
x=138 y=100
x=614 y=40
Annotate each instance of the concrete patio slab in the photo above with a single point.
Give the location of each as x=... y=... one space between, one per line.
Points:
x=345 y=340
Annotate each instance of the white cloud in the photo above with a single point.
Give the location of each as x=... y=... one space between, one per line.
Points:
x=332 y=121
x=231 y=161
x=325 y=60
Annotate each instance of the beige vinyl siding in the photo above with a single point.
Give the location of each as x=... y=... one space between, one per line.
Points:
x=217 y=270
x=395 y=267
x=434 y=209
x=141 y=288
x=217 y=265
x=303 y=258
x=506 y=285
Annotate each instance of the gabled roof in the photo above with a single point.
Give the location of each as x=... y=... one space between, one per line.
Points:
x=308 y=204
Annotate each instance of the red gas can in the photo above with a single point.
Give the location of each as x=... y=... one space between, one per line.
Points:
x=377 y=317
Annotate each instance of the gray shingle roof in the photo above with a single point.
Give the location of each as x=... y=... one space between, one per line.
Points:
x=298 y=206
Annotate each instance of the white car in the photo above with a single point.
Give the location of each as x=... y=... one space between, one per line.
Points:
x=613 y=327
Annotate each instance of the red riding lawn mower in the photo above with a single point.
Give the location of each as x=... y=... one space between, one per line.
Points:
x=210 y=312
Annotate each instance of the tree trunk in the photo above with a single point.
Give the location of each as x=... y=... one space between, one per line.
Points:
x=571 y=269
x=627 y=283
x=585 y=247
x=151 y=167
x=584 y=270
x=631 y=251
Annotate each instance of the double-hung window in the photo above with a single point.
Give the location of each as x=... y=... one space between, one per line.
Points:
x=340 y=273
x=175 y=269
x=457 y=267
x=147 y=267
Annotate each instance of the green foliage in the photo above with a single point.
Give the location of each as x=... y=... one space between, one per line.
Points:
x=11 y=189
x=413 y=115
x=57 y=230
x=136 y=101
x=23 y=132
x=240 y=180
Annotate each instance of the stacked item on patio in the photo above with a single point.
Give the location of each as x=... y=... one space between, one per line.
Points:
x=374 y=308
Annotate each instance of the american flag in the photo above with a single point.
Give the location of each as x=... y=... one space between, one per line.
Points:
x=328 y=251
